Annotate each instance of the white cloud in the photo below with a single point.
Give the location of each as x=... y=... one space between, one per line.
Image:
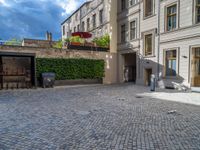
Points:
x=68 y=6
x=3 y=2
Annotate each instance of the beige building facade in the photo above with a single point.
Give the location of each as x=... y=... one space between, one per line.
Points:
x=160 y=37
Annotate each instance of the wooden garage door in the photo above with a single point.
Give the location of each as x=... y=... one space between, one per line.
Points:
x=196 y=67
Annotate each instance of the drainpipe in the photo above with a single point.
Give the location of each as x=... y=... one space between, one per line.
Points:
x=158 y=45
x=139 y=61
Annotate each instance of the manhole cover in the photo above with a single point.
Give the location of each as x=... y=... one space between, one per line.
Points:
x=138 y=97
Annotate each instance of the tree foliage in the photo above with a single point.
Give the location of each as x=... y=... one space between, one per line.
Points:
x=103 y=41
x=58 y=44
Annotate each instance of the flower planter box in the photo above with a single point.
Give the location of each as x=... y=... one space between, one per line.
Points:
x=75 y=43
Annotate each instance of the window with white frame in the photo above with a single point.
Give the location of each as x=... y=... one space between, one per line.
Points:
x=78 y=27
x=171 y=63
x=83 y=26
x=132 y=30
x=94 y=21
x=197 y=11
x=123 y=33
x=171 y=18
x=64 y=30
x=88 y=24
x=123 y=5
x=148 y=44
x=148 y=8
x=101 y=16
x=133 y=2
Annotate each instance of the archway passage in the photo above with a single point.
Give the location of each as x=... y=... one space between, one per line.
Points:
x=130 y=67
x=17 y=71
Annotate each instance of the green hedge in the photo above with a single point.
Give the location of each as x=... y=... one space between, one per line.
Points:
x=66 y=69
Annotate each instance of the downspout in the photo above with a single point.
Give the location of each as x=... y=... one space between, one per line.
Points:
x=139 y=65
x=158 y=45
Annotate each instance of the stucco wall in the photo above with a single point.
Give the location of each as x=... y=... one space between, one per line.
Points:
x=109 y=58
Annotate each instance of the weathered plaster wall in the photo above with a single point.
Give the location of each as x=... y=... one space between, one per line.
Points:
x=109 y=58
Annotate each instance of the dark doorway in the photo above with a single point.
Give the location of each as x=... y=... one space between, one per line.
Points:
x=17 y=71
x=148 y=73
x=130 y=67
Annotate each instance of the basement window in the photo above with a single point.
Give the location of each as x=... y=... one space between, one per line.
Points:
x=171 y=63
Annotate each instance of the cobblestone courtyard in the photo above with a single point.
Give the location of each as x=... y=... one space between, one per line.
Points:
x=95 y=117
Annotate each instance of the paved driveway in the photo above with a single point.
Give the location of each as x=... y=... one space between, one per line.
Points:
x=95 y=117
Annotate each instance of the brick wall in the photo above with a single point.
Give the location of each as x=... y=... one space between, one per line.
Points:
x=38 y=43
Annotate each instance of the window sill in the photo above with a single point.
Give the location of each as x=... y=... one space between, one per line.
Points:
x=149 y=56
x=176 y=29
x=122 y=11
x=147 y=17
x=130 y=6
x=197 y=23
x=170 y=77
x=122 y=43
x=133 y=40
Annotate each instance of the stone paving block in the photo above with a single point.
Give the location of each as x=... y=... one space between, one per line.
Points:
x=95 y=118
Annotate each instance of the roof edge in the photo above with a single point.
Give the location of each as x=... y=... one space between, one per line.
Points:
x=75 y=11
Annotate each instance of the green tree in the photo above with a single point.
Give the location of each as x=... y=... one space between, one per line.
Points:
x=103 y=41
x=14 y=41
x=58 y=44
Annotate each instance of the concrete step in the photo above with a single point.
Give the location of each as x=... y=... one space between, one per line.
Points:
x=195 y=89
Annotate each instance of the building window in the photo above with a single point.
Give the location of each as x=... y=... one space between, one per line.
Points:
x=148 y=44
x=76 y=17
x=171 y=63
x=83 y=26
x=88 y=24
x=94 y=20
x=132 y=30
x=123 y=33
x=101 y=16
x=64 y=30
x=171 y=17
x=74 y=29
x=78 y=27
x=123 y=5
x=197 y=11
x=133 y=2
x=148 y=8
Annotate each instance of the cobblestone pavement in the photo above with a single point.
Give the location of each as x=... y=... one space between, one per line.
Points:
x=95 y=117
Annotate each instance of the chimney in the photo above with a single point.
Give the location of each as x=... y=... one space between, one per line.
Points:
x=47 y=36
x=50 y=36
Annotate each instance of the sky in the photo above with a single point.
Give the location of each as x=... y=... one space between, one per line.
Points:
x=32 y=18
